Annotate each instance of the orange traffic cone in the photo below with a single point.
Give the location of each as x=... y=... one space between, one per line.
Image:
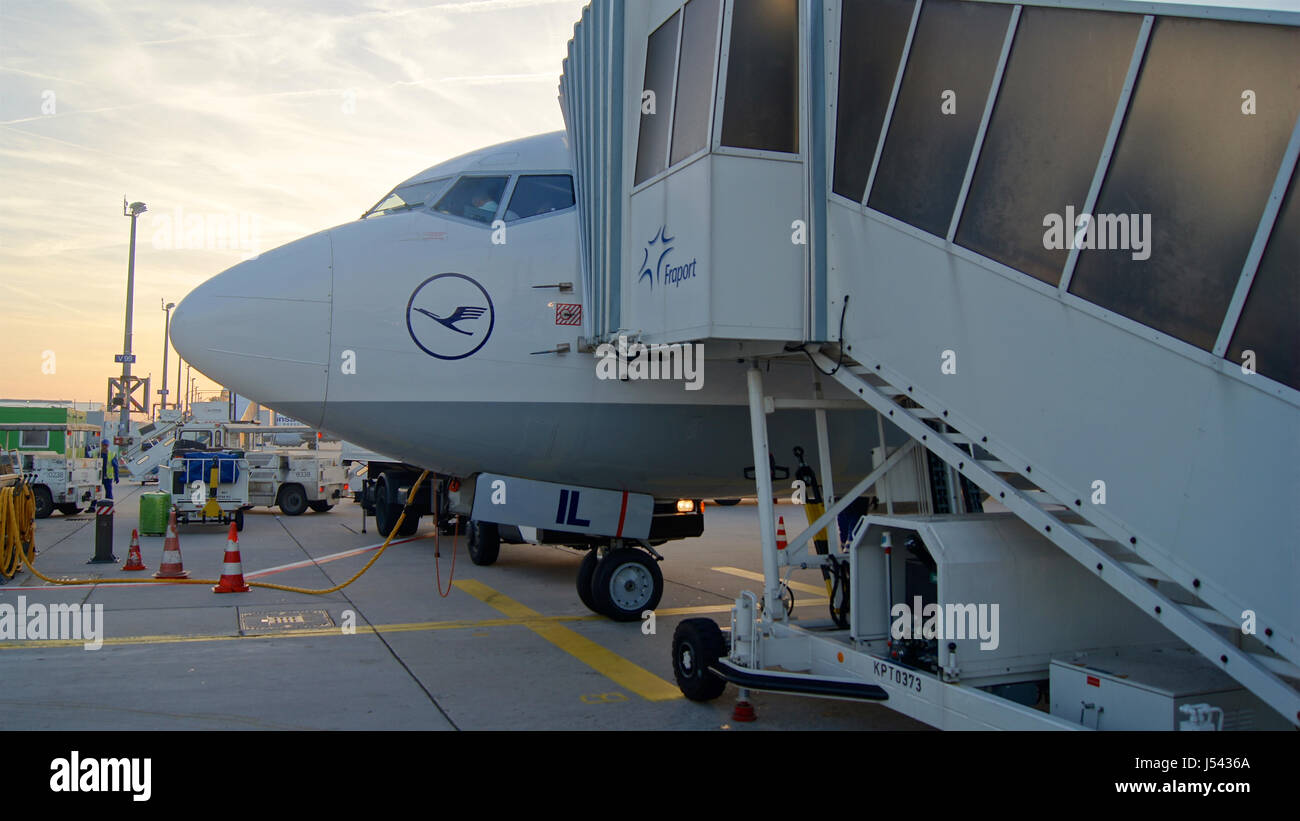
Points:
x=744 y=711
x=232 y=572
x=780 y=533
x=172 y=567
x=133 y=560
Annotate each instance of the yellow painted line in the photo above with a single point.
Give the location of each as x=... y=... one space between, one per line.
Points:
x=606 y=662
x=758 y=577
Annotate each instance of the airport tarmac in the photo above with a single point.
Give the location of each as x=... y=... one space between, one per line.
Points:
x=510 y=647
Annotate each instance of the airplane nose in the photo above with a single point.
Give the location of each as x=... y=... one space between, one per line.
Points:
x=262 y=328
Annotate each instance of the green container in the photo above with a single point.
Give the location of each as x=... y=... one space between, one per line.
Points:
x=154 y=508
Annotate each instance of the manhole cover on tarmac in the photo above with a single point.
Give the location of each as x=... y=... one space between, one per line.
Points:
x=266 y=620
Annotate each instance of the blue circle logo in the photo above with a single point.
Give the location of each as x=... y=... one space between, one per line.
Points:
x=450 y=316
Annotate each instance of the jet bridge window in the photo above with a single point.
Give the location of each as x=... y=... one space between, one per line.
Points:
x=695 y=65
x=940 y=104
x=1268 y=324
x=872 y=36
x=1191 y=174
x=762 y=103
x=660 y=65
x=540 y=194
x=406 y=198
x=474 y=198
x=1046 y=133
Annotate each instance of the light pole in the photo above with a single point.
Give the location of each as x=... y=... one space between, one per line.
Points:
x=189 y=387
x=167 y=325
x=134 y=210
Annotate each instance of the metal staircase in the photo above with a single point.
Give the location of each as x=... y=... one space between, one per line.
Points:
x=1115 y=552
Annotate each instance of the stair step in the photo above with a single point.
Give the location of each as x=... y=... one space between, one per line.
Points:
x=1209 y=616
x=1278 y=665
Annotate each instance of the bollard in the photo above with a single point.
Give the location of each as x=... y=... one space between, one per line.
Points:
x=103 y=533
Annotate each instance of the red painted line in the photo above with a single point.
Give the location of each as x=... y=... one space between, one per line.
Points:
x=622 y=514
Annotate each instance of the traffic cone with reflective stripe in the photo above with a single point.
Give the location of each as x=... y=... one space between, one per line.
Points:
x=780 y=533
x=744 y=711
x=133 y=560
x=171 y=567
x=232 y=572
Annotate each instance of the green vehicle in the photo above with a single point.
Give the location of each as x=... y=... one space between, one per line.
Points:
x=51 y=444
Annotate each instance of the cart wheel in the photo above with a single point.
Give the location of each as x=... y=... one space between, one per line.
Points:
x=69 y=509
x=321 y=506
x=484 y=543
x=726 y=502
x=239 y=520
x=697 y=644
x=44 y=502
x=585 y=572
x=626 y=583
x=293 y=501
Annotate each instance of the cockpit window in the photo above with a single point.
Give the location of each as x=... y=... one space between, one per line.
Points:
x=540 y=194
x=406 y=198
x=475 y=198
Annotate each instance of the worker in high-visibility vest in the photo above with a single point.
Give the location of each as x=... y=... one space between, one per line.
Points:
x=107 y=468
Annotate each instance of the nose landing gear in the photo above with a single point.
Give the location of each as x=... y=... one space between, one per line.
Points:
x=620 y=582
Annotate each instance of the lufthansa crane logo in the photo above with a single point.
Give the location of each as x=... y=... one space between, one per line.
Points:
x=450 y=316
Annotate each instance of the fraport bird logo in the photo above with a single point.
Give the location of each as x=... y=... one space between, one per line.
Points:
x=655 y=265
x=450 y=316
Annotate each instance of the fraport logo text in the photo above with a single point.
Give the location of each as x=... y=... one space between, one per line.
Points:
x=656 y=266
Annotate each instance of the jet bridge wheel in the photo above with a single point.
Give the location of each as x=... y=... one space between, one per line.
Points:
x=484 y=542
x=627 y=582
x=697 y=644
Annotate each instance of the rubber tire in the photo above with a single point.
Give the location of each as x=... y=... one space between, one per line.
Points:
x=726 y=502
x=704 y=640
x=69 y=509
x=484 y=544
x=239 y=520
x=586 y=571
x=320 y=506
x=409 y=525
x=293 y=500
x=605 y=570
x=44 y=502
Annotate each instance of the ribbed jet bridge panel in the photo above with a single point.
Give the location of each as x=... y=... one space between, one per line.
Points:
x=1076 y=232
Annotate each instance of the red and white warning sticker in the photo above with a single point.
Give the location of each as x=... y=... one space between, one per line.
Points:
x=568 y=314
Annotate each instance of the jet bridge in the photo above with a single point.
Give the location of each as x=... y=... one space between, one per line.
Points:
x=1056 y=243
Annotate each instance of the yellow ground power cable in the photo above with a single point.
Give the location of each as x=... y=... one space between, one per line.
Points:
x=411 y=496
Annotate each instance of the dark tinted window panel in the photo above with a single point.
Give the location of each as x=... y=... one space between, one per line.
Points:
x=1047 y=132
x=695 y=78
x=762 y=109
x=924 y=161
x=872 y=36
x=539 y=194
x=660 y=66
x=1202 y=170
x=1270 y=320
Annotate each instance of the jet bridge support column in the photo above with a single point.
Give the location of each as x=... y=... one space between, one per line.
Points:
x=773 y=607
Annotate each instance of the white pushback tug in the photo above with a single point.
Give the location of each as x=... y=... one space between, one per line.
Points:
x=1025 y=273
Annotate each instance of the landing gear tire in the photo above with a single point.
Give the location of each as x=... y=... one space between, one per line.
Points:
x=586 y=571
x=44 y=502
x=293 y=500
x=321 y=506
x=627 y=582
x=68 y=509
x=726 y=502
x=484 y=543
x=239 y=520
x=697 y=644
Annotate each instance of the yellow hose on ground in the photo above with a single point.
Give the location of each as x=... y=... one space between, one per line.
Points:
x=27 y=560
x=17 y=527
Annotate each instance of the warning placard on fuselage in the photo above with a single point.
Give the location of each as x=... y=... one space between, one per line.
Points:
x=509 y=500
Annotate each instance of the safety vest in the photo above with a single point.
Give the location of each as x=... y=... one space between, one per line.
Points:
x=108 y=465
